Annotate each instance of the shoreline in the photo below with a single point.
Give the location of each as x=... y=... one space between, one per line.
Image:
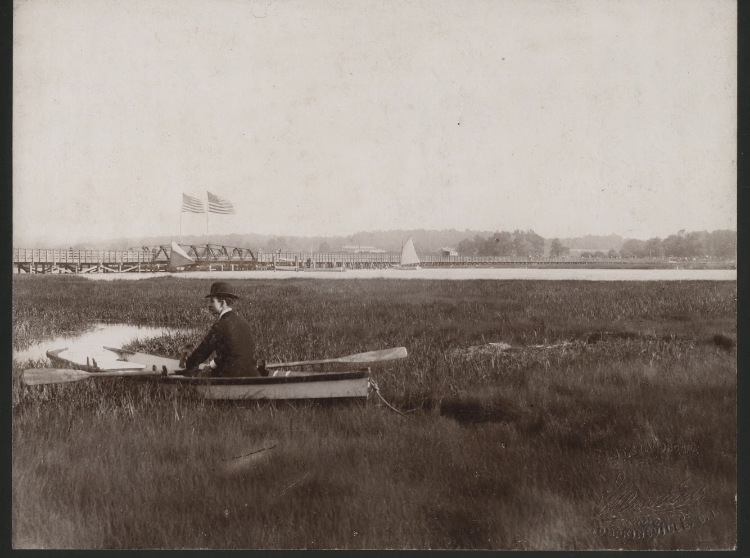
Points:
x=444 y=274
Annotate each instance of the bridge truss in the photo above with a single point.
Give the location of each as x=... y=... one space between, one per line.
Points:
x=204 y=253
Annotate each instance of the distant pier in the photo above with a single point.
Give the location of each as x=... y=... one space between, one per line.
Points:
x=83 y=261
x=225 y=258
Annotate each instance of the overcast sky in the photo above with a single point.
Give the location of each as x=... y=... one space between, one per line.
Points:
x=323 y=117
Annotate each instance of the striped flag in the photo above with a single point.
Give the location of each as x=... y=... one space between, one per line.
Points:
x=219 y=205
x=191 y=204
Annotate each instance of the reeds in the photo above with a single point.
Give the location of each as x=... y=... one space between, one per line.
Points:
x=503 y=449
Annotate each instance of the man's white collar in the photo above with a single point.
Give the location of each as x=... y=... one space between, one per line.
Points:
x=224 y=312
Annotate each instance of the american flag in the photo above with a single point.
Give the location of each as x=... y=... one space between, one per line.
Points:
x=191 y=204
x=219 y=205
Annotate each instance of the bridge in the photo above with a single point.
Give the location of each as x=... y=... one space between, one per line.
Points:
x=215 y=257
x=82 y=261
x=144 y=259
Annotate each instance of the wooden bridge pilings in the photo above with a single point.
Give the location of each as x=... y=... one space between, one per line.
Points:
x=389 y=259
x=82 y=261
x=153 y=260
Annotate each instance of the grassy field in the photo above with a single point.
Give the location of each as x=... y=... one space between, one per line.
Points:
x=610 y=423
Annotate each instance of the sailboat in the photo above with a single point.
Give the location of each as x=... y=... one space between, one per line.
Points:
x=409 y=258
x=178 y=257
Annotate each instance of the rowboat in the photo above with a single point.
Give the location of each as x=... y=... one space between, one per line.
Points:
x=300 y=385
x=280 y=384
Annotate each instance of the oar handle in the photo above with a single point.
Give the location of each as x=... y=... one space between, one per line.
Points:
x=359 y=358
x=301 y=363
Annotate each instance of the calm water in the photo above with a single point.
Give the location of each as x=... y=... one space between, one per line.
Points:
x=90 y=344
x=455 y=274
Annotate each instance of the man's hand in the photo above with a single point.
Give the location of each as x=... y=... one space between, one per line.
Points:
x=262 y=367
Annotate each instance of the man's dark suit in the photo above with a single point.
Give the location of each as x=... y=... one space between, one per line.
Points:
x=232 y=339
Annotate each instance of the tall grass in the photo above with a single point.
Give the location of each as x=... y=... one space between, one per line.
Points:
x=508 y=449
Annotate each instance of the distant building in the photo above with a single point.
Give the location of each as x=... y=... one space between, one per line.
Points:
x=447 y=252
x=359 y=248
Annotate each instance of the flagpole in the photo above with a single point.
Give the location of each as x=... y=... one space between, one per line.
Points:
x=207 y=212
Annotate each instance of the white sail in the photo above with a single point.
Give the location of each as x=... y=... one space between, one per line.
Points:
x=179 y=257
x=409 y=254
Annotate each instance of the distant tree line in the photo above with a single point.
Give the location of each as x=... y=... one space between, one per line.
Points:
x=717 y=244
x=557 y=249
x=721 y=244
x=518 y=244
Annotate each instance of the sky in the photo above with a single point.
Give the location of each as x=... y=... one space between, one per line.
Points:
x=323 y=117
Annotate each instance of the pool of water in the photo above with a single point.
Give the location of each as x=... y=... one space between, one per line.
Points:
x=454 y=274
x=91 y=343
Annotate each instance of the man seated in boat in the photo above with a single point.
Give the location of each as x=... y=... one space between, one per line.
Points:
x=231 y=337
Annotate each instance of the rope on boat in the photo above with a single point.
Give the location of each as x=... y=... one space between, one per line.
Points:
x=377 y=391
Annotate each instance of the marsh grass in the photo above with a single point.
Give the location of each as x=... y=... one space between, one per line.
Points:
x=514 y=449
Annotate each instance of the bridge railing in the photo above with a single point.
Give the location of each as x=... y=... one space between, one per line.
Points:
x=80 y=256
x=327 y=257
x=132 y=256
x=427 y=259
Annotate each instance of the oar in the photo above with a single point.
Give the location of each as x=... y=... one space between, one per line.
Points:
x=371 y=356
x=40 y=376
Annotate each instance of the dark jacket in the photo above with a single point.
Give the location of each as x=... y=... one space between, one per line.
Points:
x=232 y=339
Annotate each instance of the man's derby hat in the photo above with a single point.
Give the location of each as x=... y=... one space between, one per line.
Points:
x=222 y=288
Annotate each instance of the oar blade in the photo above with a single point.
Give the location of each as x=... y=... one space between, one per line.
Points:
x=371 y=356
x=376 y=356
x=43 y=376
x=148 y=361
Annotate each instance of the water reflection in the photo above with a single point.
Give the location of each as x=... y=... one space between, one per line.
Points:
x=90 y=344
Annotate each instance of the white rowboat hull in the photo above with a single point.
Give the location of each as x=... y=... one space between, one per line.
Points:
x=334 y=385
x=282 y=384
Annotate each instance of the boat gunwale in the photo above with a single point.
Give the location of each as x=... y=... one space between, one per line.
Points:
x=53 y=354
x=263 y=380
